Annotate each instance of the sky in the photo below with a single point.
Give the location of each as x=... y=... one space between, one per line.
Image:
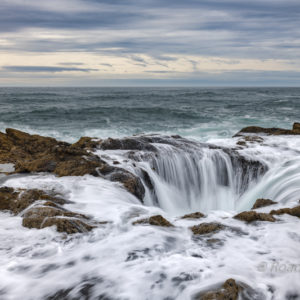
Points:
x=149 y=43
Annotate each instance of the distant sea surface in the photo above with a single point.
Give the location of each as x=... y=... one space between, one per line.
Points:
x=200 y=113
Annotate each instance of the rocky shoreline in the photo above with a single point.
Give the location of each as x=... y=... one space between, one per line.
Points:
x=22 y=153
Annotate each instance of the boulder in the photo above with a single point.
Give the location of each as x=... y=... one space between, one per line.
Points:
x=206 y=228
x=230 y=290
x=157 y=220
x=195 y=215
x=251 y=216
x=295 y=211
x=270 y=131
x=262 y=203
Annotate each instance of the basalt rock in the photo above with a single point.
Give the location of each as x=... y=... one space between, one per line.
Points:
x=295 y=211
x=65 y=221
x=206 y=228
x=18 y=200
x=132 y=143
x=155 y=221
x=262 y=203
x=40 y=209
x=270 y=131
x=230 y=290
x=34 y=153
x=87 y=143
x=251 y=216
x=249 y=139
x=195 y=215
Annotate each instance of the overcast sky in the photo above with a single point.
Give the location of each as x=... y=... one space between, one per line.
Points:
x=153 y=42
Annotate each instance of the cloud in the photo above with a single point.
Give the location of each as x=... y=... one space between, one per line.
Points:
x=149 y=33
x=44 y=69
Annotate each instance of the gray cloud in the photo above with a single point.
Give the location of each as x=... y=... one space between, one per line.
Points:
x=258 y=29
x=42 y=69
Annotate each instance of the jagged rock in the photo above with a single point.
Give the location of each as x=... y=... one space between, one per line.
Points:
x=295 y=211
x=87 y=143
x=65 y=221
x=132 y=143
x=251 y=216
x=262 y=203
x=270 y=131
x=17 y=200
x=206 y=228
x=195 y=215
x=40 y=209
x=249 y=139
x=155 y=221
x=296 y=127
x=34 y=153
x=230 y=291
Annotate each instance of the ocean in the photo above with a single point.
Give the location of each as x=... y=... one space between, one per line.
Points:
x=200 y=113
x=182 y=139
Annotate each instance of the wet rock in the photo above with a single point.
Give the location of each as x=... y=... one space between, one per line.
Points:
x=40 y=209
x=34 y=153
x=270 y=131
x=295 y=211
x=262 y=203
x=206 y=228
x=195 y=215
x=132 y=143
x=249 y=139
x=251 y=216
x=131 y=182
x=230 y=291
x=155 y=221
x=18 y=200
x=296 y=127
x=87 y=143
x=47 y=216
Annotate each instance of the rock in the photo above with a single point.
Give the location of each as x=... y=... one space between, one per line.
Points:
x=251 y=216
x=195 y=215
x=295 y=211
x=270 y=131
x=18 y=200
x=206 y=228
x=34 y=153
x=40 y=209
x=132 y=143
x=249 y=139
x=230 y=291
x=155 y=221
x=262 y=203
x=46 y=216
x=87 y=143
x=296 y=127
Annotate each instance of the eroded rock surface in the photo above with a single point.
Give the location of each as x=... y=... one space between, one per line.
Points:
x=251 y=216
x=206 y=228
x=40 y=209
x=34 y=153
x=229 y=291
x=263 y=203
x=195 y=215
x=157 y=220
x=270 y=131
x=295 y=211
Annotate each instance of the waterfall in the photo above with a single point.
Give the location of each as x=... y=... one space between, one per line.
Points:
x=201 y=179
